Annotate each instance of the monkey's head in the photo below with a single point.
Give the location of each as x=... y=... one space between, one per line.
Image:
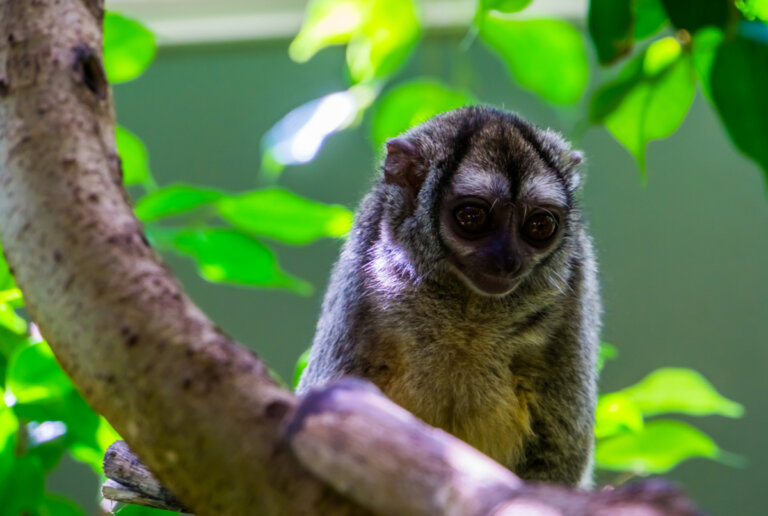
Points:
x=482 y=195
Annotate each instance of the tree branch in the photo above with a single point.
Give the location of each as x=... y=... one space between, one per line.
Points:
x=190 y=402
x=200 y=411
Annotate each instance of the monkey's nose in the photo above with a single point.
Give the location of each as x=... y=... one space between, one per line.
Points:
x=507 y=265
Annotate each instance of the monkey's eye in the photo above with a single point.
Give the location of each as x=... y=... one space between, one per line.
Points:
x=539 y=228
x=471 y=218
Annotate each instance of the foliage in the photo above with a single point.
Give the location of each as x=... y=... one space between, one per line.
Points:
x=670 y=47
x=627 y=442
x=664 y=48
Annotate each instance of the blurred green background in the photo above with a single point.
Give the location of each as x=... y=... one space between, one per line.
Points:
x=683 y=258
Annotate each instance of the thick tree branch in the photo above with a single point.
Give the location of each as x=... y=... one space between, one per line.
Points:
x=191 y=403
x=200 y=411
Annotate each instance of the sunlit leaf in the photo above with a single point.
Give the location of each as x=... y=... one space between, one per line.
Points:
x=106 y=435
x=680 y=390
x=54 y=505
x=611 y=27
x=650 y=18
x=13 y=297
x=224 y=255
x=10 y=320
x=412 y=103
x=380 y=34
x=6 y=279
x=301 y=364
x=133 y=157
x=615 y=413
x=174 y=200
x=605 y=353
x=298 y=136
x=739 y=83
x=657 y=448
x=649 y=99
x=385 y=40
x=90 y=443
x=34 y=374
x=504 y=6
x=22 y=492
x=753 y=9
x=326 y=23
x=10 y=342
x=129 y=47
x=706 y=43
x=9 y=426
x=692 y=15
x=544 y=56
x=282 y=215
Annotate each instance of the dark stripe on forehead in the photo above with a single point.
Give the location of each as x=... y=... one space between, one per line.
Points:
x=462 y=141
x=529 y=135
x=528 y=132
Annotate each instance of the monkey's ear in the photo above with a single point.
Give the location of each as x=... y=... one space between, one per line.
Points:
x=572 y=160
x=567 y=160
x=404 y=165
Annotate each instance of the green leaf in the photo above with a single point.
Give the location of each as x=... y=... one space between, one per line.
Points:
x=10 y=320
x=650 y=18
x=174 y=200
x=133 y=157
x=91 y=440
x=615 y=413
x=705 y=46
x=380 y=34
x=22 y=493
x=504 y=6
x=6 y=278
x=649 y=99
x=326 y=23
x=605 y=353
x=225 y=255
x=46 y=440
x=34 y=374
x=282 y=215
x=544 y=56
x=680 y=390
x=129 y=48
x=657 y=448
x=385 y=40
x=9 y=427
x=692 y=15
x=54 y=505
x=611 y=26
x=739 y=83
x=412 y=103
x=301 y=364
x=753 y=9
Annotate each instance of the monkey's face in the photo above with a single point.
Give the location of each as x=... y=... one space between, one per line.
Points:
x=498 y=190
x=498 y=227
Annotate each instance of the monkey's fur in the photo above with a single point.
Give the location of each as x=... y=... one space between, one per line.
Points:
x=486 y=337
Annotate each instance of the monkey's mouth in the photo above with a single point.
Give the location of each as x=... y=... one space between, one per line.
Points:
x=493 y=285
x=488 y=284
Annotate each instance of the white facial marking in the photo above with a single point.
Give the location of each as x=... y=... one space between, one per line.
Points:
x=481 y=183
x=542 y=188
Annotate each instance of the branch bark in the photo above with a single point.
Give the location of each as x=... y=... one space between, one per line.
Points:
x=199 y=410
